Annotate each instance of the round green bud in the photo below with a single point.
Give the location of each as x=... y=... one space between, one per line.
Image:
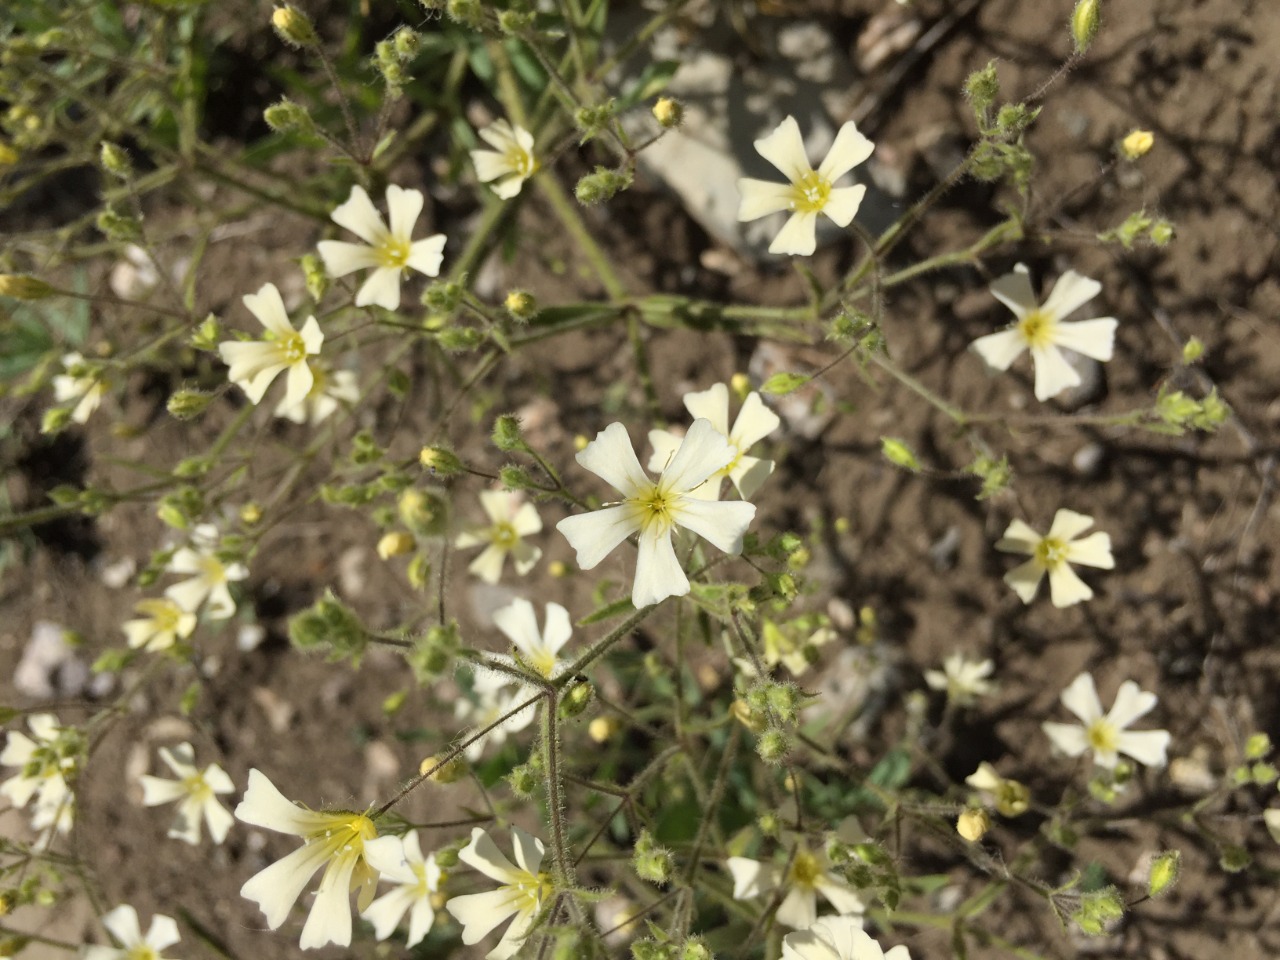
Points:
x=293 y=27
x=408 y=43
x=576 y=699
x=773 y=746
x=1084 y=24
x=603 y=185
x=440 y=461
x=521 y=305
x=668 y=112
x=288 y=117
x=424 y=512
x=506 y=433
x=188 y=404
x=115 y=160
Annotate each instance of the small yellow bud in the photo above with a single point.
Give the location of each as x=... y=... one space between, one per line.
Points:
x=668 y=112
x=740 y=384
x=558 y=568
x=602 y=729
x=743 y=713
x=1137 y=144
x=841 y=525
x=580 y=442
x=1084 y=24
x=8 y=155
x=440 y=461
x=250 y=514
x=454 y=770
x=396 y=544
x=293 y=27
x=973 y=825
x=521 y=305
x=20 y=286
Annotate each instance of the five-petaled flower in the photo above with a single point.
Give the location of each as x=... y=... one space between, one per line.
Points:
x=838 y=938
x=511 y=519
x=162 y=624
x=210 y=575
x=333 y=840
x=1106 y=735
x=122 y=923
x=256 y=363
x=495 y=697
x=523 y=892
x=196 y=789
x=46 y=765
x=389 y=252
x=1052 y=554
x=963 y=679
x=400 y=861
x=538 y=649
x=810 y=191
x=1040 y=329
x=653 y=508
x=80 y=384
x=511 y=161
x=755 y=422
x=808 y=875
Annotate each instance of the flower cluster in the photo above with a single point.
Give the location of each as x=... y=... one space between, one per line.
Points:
x=47 y=762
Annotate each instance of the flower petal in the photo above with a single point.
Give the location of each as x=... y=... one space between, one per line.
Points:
x=750 y=878
x=528 y=850
x=122 y=923
x=759 y=198
x=710 y=404
x=277 y=887
x=1025 y=579
x=1093 y=338
x=1093 y=551
x=755 y=422
x=720 y=523
x=1019 y=538
x=704 y=451
x=329 y=920
x=1067 y=524
x=157 y=790
x=403 y=208
x=386 y=912
x=480 y=913
x=487 y=567
x=421 y=919
x=219 y=820
x=519 y=623
x=849 y=149
x=267 y=306
x=341 y=258
x=999 y=350
x=799 y=908
x=360 y=217
x=748 y=475
x=798 y=235
x=557 y=629
x=784 y=148
x=298 y=385
x=1070 y=293
x=1131 y=703
x=1053 y=372
x=658 y=571
x=265 y=806
x=665 y=444
x=840 y=896
x=1066 y=589
x=525 y=521
x=1014 y=291
x=381 y=289
x=612 y=458
x=1070 y=738
x=1081 y=698
x=162 y=933
x=594 y=535
x=426 y=255
x=483 y=854
x=1148 y=747
x=843 y=203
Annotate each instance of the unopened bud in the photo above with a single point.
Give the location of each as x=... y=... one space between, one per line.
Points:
x=668 y=112
x=250 y=514
x=119 y=226
x=115 y=160
x=313 y=274
x=740 y=384
x=1084 y=24
x=187 y=404
x=506 y=433
x=603 y=729
x=438 y=460
x=450 y=772
x=899 y=454
x=408 y=43
x=1137 y=144
x=424 y=512
x=773 y=746
x=602 y=185
x=55 y=420
x=20 y=286
x=749 y=718
x=395 y=544
x=293 y=27
x=577 y=699
x=521 y=305
x=1164 y=872
x=288 y=117
x=973 y=824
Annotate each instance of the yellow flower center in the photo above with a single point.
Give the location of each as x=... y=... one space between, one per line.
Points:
x=810 y=193
x=1103 y=736
x=394 y=253
x=503 y=535
x=196 y=787
x=212 y=570
x=805 y=869
x=346 y=834
x=521 y=161
x=141 y=951
x=1036 y=328
x=656 y=509
x=292 y=348
x=527 y=895
x=1051 y=553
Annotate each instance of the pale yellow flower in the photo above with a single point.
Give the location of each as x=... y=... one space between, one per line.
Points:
x=511 y=161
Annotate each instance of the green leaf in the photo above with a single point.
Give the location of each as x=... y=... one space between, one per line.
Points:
x=780 y=384
x=607 y=612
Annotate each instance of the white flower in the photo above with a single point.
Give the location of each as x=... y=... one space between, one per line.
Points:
x=1040 y=329
x=197 y=792
x=256 y=363
x=538 y=649
x=1010 y=797
x=1052 y=553
x=653 y=508
x=838 y=938
x=1107 y=735
x=327 y=392
x=511 y=519
x=401 y=862
x=389 y=252
x=523 y=892
x=74 y=385
x=810 y=191
x=122 y=923
x=963 y=679
x=755 y=422
x=495 y=696
x=46 y=764
x=163 y=623
x=808 y=875
x=333 y=840
x=792 y=643
x=510 y=163
x=211 y=575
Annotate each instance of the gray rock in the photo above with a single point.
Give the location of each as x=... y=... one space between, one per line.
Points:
x=49 y=666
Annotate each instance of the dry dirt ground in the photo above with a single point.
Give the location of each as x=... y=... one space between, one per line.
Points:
x=1190 y=610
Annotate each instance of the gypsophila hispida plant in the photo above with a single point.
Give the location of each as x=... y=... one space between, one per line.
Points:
x=279 y=313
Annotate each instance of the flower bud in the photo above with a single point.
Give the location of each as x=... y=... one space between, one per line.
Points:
x=115 y=160
x=188 y=404
x=293 y=27
x=521 y=305
x=408 y=43
x=395 y=544
x=973 y=824
x=439 y=461
x=1164 y=872
x=525 y=780
x=450 y=772
x=773 y=746
x=250 y=514
x=119 y=227
x=55 y=420
x=514 y=22
x=21 y=286
x=603 y=729
x=576 y=699
x=419 y=572
x=600 y=186
x=1137 y=144
x=515 y=477
x=288 y=117
x=652 y=862
x=1084 y=24
x=668 y=112
x=423 y=512
x=749 y=718
x=695 y=948
x=899 y=454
